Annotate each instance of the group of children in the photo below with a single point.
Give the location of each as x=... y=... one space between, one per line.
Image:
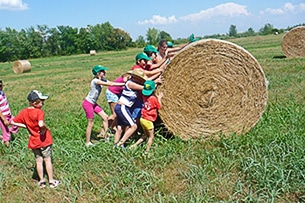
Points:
x=131 y=98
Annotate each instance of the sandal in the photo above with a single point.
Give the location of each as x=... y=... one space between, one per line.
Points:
x=42 y=184
x=54 y=184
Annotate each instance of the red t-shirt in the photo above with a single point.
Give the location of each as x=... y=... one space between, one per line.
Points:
x=150 y=108
x=30 y=118
x=147 y=67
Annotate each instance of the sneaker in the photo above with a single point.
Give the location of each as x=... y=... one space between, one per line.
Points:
x=89 y=144
x=42 y=184
x=54 y=184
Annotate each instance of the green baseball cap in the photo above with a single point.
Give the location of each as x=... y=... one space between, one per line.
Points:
x=150 y=48
x=142 y=55
x=97 y=69
x=149 y=87
x=170 y=44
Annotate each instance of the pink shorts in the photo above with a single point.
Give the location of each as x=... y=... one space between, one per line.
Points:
x=90 y=109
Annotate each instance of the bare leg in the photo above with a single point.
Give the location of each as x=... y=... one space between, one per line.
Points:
x=39 y=168
x=150 y=134
x=118 y=134
x=112 y=117
x=104 y=129
x=89 y=129
x=128 y=133
x=49 y=168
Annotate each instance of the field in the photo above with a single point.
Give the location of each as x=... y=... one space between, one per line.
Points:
x=265 y=165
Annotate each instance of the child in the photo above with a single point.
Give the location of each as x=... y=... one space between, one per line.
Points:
x=40 y=140
x=123 y=109
x=90 y=102
x=5 y=117
x=152 y=104
x=113 y=94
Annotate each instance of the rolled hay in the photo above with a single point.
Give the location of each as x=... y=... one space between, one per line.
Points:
x=212 y=87
x=21 y=66
x=293 y=43
x=92 y=52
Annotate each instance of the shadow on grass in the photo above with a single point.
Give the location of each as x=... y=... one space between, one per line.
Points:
x=279 y=57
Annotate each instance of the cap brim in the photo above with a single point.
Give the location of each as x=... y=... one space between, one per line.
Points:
x=147 y=92
x=44 y=97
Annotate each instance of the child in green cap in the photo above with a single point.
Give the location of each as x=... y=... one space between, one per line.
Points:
x=152 y=103
x=90 y=105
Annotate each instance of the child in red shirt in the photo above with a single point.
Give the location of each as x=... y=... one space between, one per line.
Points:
x=152 y=103
x=40 y=140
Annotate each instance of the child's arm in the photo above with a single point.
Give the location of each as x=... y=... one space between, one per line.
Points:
x=4 y=119
x=110 y=83
x=43 y=127
x=18 y=124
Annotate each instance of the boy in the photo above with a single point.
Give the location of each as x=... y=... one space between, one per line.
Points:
x=40 y=140
x=5 y=117
x=152 y=103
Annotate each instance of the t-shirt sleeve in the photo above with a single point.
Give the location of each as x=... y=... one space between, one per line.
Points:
x=19 y=118
x=40 y=115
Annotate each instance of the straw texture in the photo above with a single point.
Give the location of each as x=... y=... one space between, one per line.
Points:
x=293 y=44
x=21 y=66
x=211 y=87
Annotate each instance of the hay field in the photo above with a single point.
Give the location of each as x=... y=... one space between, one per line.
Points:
x=264 y=165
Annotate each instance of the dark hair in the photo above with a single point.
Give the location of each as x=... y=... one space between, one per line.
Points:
x=162 y=41
x=149 y=53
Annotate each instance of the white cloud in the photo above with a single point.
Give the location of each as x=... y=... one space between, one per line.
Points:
x=227 y=9
x=13 y=5
x=159 y=20
x=287 y=8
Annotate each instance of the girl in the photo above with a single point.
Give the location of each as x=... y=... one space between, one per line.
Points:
x=90 y=103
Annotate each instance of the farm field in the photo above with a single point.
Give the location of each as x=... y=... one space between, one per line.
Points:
x=265 y=165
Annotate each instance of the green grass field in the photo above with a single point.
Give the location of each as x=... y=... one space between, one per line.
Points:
x=265 y=165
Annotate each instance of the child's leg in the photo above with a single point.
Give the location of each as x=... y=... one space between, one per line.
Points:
x=118 y=134
x=49 y=168
x=150 y=139
x=104 y=129
x=39 y=164
x=128 y=133
x=6 y=135
x=89 y=129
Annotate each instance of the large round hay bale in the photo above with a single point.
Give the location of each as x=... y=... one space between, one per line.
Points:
x=293 y=44
x=212 y=87
x=92 y=52
x=21 y=66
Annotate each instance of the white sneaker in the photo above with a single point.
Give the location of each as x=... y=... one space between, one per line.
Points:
x=89 y=144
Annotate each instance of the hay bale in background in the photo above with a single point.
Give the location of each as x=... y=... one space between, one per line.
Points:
x=293 y=44
x=21 y=66
x=212 y=86
x=92 y=52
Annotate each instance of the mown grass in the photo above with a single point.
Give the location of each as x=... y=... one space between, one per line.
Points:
x=264 y=165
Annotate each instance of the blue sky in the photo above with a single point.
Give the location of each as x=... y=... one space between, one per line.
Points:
x=179 y=18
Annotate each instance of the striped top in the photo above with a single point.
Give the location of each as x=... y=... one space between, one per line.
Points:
x=4 y=107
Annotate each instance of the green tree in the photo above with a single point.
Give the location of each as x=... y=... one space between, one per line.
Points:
x=153 y=36
x=233 y=31
x=267 y=29
x=164 y=35
x=119 y=39
x=140 y=41
x=68 y=37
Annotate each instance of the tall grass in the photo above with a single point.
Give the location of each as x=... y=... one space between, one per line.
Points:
x=264 y=165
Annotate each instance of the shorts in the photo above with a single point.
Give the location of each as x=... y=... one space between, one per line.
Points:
x=90 y=109
x=136 y=109
x=124 y=117
x=146 y=124
x=111 y=97
x=43 y=152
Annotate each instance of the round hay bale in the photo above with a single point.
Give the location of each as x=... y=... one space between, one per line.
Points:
x=92 y=52
x=21 y=66
x=211 y=87
x=293 y=43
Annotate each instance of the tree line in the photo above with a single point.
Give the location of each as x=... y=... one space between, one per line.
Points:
x=43 y=41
